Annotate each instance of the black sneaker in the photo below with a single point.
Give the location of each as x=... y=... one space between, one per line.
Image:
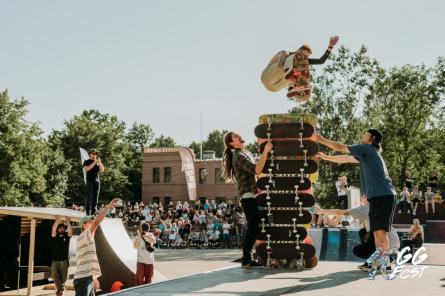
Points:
x=364 y=266
x=251 y=264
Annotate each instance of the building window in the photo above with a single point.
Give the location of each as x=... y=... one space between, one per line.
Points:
x=156 y=175
x=167 y=200
x=219 y=179
x=167 y=175
x=202 y=199
x=156 y=199
x=203 y=175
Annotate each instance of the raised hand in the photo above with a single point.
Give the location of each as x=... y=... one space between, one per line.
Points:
x=333 y=41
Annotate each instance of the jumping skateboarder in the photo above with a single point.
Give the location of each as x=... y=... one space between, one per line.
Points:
x=376 y=185
x=240 y=166
x=291 y=70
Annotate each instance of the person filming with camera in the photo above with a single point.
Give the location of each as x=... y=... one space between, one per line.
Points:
x=144 y=243
x=93 y=168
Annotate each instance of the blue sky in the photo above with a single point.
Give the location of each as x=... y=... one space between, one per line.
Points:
x=165 y=62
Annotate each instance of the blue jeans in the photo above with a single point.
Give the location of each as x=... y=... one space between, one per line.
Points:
x=84 y=286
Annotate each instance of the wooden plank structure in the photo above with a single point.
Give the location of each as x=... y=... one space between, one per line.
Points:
x=29 y=218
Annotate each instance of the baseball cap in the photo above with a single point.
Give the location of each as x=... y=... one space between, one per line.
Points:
x=377 y=134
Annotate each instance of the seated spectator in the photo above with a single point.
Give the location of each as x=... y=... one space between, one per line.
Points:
x=429 y=195
x=416 y=235
x=405 y=201
x=437 y=199
x=416 y=198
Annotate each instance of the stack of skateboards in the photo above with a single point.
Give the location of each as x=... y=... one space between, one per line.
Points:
x=286 y=187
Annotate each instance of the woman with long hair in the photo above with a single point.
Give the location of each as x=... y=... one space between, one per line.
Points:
x=240 y=166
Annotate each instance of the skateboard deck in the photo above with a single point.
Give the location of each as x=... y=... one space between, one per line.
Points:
x=293 y=148
x=285 y=250
x=282 y=232
x=285 y=215
x=284 y=130
x=290 y=166
x=286 y=200
x=274 y=182
x=288 y=118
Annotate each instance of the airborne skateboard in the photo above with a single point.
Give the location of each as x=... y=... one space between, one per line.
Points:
x=297 y=72
x=286 y=200
x=285 y=215
x=285 y=182
x=290 y=165
x=282 y=231
x=292 y=148
x=283 y=249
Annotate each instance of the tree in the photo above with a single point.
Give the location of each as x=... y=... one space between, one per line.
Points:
x=27 y=165
x=138 y=137
x=406 y=105
x=163 y=141
x=92 y=129
x=215 y=142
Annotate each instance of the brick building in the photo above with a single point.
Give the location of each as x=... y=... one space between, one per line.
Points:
x=163 y=180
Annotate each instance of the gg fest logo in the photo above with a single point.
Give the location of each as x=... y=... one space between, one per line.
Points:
x=405 y=272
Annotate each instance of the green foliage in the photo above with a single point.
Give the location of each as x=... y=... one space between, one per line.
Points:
x=163 y=141
x=30 y=173
x=92 y=129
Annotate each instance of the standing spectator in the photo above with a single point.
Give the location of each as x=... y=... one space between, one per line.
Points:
x=185 y=206
x=93 y=167
x=61 y=235
x=408 y=180
x=145 y=255
x=87 y=271
x=405 y=201
x=342 y=192
x=429 y=195
x=226 y=231
x=416 y=197
x=433 y=181
x=207 y=206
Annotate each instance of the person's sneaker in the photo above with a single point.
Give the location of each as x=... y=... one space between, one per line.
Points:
x=252 y=264
x=364 y=266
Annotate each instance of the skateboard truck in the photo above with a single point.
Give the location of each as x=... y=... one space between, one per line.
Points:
x=302 y=123
x=268 y=250
x=297 y=241
x=267 y=192
x=270 y=177
x=296 y=194
x=302 y=175
x=305 y=157
x=272 y=159
x=300 y=134
x=268 y=208
x=300 y=209
x=294 y=221
x=263 y=225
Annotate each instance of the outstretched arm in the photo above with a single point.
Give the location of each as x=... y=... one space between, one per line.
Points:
x=337 y=146
x=102 y=215
x=332 y=42
x=338 y=158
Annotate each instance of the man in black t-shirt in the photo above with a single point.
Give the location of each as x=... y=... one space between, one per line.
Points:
x=93 y=167
x=61 y=235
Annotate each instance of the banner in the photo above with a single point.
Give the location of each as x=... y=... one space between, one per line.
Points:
x=188 y=167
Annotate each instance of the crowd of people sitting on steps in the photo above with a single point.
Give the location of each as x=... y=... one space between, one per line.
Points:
x=411 y=198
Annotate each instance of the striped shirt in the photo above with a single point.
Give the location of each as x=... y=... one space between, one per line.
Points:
x=86 y=258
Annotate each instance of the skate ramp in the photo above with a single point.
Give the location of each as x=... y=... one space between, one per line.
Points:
x=117 y=257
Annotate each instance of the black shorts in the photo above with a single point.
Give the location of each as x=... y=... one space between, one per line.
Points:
x=381 y=212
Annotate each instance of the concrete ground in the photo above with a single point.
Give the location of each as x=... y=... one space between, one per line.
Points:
x=188 y=274
x=328 y=278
